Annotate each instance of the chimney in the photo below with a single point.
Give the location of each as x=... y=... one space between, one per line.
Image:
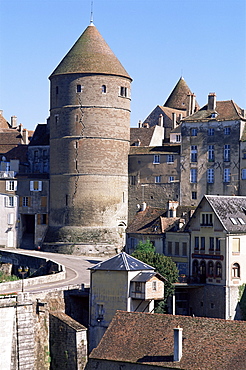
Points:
x=25 y=136
x=13 y=121
x=20 y=128
x=139 y=123
x=174 y=120
x=143 y=206
x=177 y=343
x=180 y=117
x=211 y=101
x=160 y=122
x=191 y=103
x=1 y=112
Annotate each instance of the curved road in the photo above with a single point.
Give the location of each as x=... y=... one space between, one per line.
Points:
x=77 y=268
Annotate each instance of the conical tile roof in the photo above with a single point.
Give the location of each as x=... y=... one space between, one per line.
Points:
x=178 y=97
x=90 y=54
x=122 y=262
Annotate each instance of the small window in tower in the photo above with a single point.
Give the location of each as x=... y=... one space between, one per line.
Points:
x=104 y=89
x=123 y=91
x=79 y=88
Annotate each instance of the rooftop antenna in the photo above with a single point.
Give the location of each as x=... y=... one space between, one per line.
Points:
x=91 y=21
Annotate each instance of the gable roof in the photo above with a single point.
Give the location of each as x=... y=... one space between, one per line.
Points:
x=122 y=262
x=228 y=209
x=148 y=339
x=40 y=136
x=90 y=54
x=143 y=135
x=146 y=222
x=226 y=110
x=178 y=97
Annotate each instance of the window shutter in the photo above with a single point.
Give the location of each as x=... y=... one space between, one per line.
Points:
x=15 y=201
x=29 y=201
x=10 y=218
x=6 y=201
x=39 y=219
x=40 y=186
x=31 y=186
x=20 y=201
x=15 y=185
x=7 y=185
x=43 y=201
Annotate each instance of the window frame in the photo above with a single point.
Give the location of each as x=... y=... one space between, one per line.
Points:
x=193 y=153
x=193 y=175
x=227 y=175
x=157 y=159
x=158 y=179
x=210 y=153
x=227 y=153
x=170 y=158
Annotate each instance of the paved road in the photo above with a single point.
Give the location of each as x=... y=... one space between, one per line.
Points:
x=76 y=268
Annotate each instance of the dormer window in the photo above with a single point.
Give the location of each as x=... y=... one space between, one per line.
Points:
x=214 y=115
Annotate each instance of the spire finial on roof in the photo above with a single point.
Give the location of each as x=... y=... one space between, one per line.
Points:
x=91 y=21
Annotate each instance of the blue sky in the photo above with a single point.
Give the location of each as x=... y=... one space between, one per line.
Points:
x=157 y=41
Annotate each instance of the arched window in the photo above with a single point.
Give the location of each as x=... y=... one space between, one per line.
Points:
x=203 y=272
x=104 y=89
x=195 y=268
x=218 y=269
x=236 y=270
x=210 y=268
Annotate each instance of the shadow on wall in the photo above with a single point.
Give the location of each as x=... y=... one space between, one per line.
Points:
x=242 y=301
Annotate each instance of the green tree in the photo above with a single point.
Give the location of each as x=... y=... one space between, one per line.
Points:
x=145 y=252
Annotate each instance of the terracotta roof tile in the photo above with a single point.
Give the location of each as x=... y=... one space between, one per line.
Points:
x=208 y=344
x=146 y=222
x=227 y=110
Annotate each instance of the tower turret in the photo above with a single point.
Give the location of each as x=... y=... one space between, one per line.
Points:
x=89 y=144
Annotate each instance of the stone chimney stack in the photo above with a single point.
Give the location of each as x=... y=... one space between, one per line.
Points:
x=25 y=136
x=160 y=121
x=191 y=103
x=174 y=118
x=177 y=343
x=13 y=121
x=139 y=123
x=211 y=101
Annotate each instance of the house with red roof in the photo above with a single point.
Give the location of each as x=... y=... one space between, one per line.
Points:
x=142 y=341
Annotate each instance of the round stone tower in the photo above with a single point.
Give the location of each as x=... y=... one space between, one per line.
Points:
x=89 y=145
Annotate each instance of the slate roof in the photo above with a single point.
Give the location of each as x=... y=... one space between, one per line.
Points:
x=145 y=338
x=142 y=134
x=171 y=148
x=90 y=54
x=228 y=208
x=143 y=277
x=227 y=110
x=122 y=262
x=178 y=97
x=40 y=136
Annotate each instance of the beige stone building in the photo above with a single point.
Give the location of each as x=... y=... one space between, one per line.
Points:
x=121 y=283
x=217 y=238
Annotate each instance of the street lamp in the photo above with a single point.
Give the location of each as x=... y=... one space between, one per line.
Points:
x=22 y=271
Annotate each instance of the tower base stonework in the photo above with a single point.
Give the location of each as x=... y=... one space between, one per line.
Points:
x=80 y=240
